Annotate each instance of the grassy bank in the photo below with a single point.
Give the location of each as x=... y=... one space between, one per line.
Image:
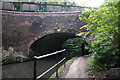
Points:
x=67 y=64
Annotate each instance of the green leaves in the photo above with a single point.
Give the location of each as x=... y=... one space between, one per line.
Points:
x=83 y=18
x=10 y=50
x=102 y=23
x=73 y=47
x=86 y=12
x=9 y=56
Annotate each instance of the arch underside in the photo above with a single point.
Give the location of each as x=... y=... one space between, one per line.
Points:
x=50 y=43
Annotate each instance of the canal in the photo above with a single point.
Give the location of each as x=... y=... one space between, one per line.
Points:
x=25 y=69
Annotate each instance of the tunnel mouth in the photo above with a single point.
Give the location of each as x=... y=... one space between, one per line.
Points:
x=50 y=43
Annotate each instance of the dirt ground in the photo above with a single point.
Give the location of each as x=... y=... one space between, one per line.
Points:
x=76 y=70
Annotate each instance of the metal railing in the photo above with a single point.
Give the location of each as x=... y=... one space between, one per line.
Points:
x=43 y=56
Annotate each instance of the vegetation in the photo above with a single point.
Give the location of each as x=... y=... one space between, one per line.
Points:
x=73 y=47
x=62 y=3
x=65 y=65
x=103 y=25
x=42 y=8
x=9 y=56
x=17 y=7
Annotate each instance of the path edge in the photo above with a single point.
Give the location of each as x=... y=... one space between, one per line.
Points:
x=67 y=64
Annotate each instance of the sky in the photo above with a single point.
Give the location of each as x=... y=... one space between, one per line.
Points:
x=89 y=3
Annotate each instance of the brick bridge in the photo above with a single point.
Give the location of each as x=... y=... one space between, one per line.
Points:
x=21 y=29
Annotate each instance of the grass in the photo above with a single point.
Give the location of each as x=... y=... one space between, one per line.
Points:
x=62 y=67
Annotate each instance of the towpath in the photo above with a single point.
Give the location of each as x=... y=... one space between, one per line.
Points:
x=77 y=69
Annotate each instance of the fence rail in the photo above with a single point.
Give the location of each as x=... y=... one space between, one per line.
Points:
x=50 y=68
x=47 y=55
x=39 y=57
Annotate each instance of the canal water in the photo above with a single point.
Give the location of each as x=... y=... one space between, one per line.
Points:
x=25 y=69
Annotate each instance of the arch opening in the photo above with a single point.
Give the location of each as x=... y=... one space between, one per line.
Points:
x=50 y=43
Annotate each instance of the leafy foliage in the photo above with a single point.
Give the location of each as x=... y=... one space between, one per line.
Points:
x=17 y=7
x=103 y=25
x=73 y=47
x=11 y=57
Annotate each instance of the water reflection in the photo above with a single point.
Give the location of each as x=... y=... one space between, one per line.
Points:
x=25 y=70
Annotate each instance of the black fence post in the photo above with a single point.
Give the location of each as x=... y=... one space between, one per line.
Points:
x=57 y=65
x=64 y=60
x=64 y=63
x=34 y=68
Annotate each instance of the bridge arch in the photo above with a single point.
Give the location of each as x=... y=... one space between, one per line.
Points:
x=50 y=43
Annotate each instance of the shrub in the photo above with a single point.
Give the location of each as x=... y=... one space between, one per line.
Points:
x=11 y=57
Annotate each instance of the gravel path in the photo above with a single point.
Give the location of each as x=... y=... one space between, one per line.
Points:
x=77 y=69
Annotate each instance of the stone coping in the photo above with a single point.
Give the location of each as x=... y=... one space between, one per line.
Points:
x=18 y=12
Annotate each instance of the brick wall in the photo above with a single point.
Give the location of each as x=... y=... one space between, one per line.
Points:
x=20 y=30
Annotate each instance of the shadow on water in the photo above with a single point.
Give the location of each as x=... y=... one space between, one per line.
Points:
x=25 y=69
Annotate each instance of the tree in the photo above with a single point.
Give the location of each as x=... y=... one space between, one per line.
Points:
x=103 y=24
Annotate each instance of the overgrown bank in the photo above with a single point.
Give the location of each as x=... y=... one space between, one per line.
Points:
x=63 y=68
